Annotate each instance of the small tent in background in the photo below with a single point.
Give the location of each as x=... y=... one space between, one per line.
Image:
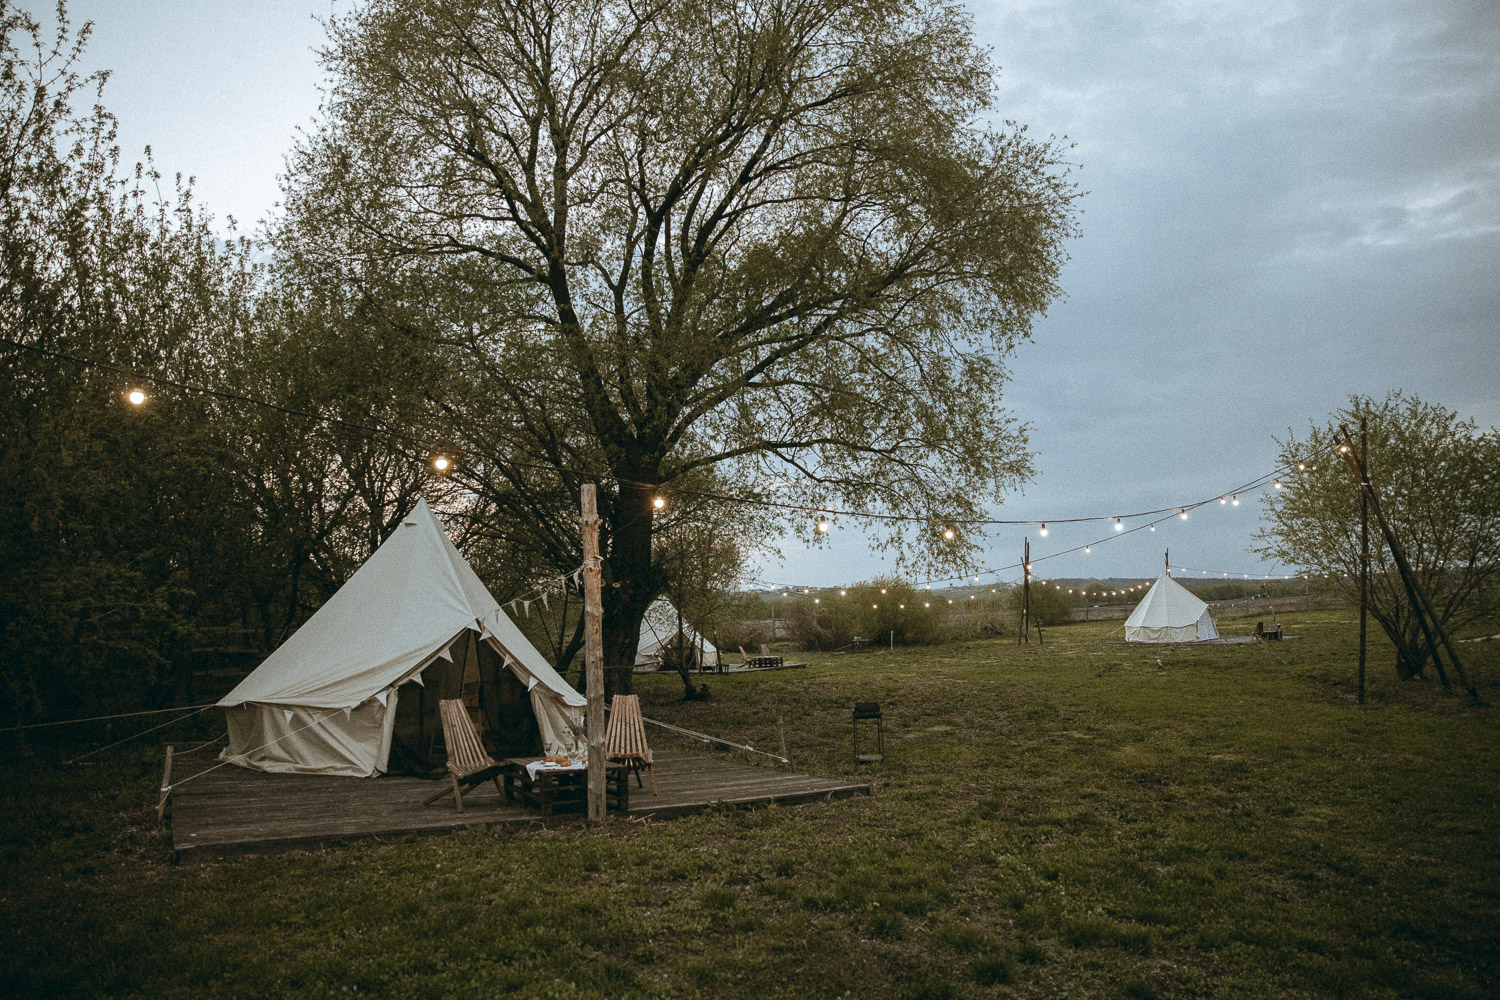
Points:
x=1169 y=613
x=411 y=626
x=659 y=628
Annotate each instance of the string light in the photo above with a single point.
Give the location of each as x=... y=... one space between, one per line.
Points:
x=658 y=501
x=1235 y=500
x=1277 y=484
x=1119 y=526
x=823 y=526
x=1044 y=529
x=1183 y=514
x=136 y=397
x=1223 y=501
x=441 y=463
x=1153 y=527
x=385 y=432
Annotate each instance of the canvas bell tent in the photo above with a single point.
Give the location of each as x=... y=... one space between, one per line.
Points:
x=659 y=629
x=1170 y=613
x=413 y=625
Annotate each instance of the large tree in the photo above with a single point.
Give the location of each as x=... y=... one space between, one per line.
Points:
x=773 y=247
x=1434 y=474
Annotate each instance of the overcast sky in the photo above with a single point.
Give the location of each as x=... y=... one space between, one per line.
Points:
x=1288 y=202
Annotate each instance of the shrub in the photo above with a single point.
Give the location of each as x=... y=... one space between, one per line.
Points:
x=1049 y=606
x=872 y=610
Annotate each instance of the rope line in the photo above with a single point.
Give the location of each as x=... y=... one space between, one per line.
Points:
x=242 y=756
x=138 y=735
x=100 y=718
x=704 y=737
x=424 y=444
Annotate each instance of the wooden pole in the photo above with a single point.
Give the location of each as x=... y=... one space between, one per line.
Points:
x=1364 y=555
x=593 y=650
x=1427 y=618
x=1025 y=629
x=166 y=788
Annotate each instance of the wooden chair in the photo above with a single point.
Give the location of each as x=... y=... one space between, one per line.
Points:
x=625 y=742
x=468 y=763
x=763 y=661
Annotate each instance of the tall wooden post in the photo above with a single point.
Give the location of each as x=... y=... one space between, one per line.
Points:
x=1427 y=618
x=1364 y=553
x=593 y=649
x=1025 y=592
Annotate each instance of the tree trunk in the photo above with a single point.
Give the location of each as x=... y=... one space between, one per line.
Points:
x=1410 y=663
x=631 y=582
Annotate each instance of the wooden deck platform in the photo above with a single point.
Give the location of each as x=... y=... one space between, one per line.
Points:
x=238 y=811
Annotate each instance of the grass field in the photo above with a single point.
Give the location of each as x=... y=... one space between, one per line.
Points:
x=1080 y=819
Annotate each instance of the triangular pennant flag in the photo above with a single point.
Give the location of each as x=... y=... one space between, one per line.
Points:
x=446 y=653
x=544 y=601
x=348 y=711
x=288 y=713
x=417 y=679
x=530 y=683
x=526 y=606
x=381 y=696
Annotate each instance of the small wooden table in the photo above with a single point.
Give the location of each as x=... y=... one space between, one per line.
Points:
x=555 y=790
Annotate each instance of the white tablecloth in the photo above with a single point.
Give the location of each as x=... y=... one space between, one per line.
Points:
x=536 y=766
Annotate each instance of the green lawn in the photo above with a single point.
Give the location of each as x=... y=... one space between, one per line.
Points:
x=1080 y=819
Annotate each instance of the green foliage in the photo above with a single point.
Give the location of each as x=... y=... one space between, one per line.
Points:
x=871 y=611
x=695 y=306
x=1049 y=605
x=1436 y=479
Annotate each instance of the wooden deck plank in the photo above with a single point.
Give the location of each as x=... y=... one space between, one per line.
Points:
x=236 y=810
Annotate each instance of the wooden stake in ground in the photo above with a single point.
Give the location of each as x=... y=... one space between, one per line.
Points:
x=1364 y=554
x=1427 y=618
x=593 y=650
x=166 y=788
x=1025 y=629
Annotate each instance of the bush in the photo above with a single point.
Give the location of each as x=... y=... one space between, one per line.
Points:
x=1049 y=606
x=871 y=610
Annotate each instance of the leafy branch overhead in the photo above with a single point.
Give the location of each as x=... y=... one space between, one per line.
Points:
x=775 y=243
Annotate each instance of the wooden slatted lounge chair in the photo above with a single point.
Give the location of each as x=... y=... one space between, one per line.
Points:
x=468 y=763
x=760 y=662
x=625 y=742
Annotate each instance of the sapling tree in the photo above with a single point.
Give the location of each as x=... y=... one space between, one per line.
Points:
x=1436 y=477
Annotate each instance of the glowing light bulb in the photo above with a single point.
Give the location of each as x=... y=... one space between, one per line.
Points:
x=136 y=397
x=1235 y=500
x=1118 y=525
x=1277 y=484
x=843 y=593
x=1223 y=501
x=817 y=600
x=882 y=590
x=1044 y=529
x=1302 y=467
x=1087 y=549
x=658 y=502
x=1153 y=527
x=822 y=526
x=441 y=463
x=926 y=604
x=1183 y=514
x=948 y=534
